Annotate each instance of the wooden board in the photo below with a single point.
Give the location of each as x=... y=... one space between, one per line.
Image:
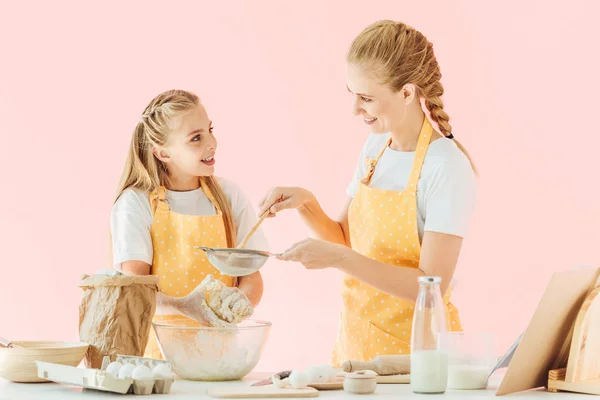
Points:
x=556 y=382
x=582 y=374
x=257 y=392
x=393 y=379
x=583 y=362
x=338 y=384
x=548 y=329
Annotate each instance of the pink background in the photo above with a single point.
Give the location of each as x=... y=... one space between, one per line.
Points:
x=521 y=83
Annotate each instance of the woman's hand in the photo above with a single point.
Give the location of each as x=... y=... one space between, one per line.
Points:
x=317 y=254
x=282 y=198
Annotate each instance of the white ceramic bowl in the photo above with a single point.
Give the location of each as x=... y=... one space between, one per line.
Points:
x=18 y=364
x=212 y=354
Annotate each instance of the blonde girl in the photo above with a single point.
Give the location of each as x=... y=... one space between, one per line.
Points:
x=170 y=201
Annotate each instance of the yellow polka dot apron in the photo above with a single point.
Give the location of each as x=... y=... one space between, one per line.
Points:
x=383 y=226
x=179 y=266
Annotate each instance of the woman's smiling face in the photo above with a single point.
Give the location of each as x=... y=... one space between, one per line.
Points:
x=381 y=108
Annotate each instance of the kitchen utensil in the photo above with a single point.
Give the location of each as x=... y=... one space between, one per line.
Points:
x=7 y=343
x=254 y=228
x=582 y=374
x=17 y=364
x=360 y=383
x=236 y=262
x=382 y=365
x=261 y=392
x=201 y=353
x=281 y=375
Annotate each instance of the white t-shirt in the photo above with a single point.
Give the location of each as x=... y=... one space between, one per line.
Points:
x=446 y=192
x=131 y=219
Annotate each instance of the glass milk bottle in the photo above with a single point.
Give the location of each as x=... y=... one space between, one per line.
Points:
x=429 y=357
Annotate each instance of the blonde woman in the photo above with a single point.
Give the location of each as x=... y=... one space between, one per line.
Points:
x=410 y=200
x=169 y=201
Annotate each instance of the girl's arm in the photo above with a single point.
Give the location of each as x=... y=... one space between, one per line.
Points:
x=252 y=287
x=166 y=304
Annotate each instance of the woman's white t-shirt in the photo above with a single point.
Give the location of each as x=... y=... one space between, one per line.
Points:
x=446 y=192
x=131 y=219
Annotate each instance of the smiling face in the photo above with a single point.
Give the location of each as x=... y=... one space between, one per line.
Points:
x=191 y=146
x=381 y=108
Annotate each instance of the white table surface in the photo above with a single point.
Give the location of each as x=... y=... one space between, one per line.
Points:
x=197 y=390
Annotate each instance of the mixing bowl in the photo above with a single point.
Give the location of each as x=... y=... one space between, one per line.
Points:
x=18 y=364
x=201 y=353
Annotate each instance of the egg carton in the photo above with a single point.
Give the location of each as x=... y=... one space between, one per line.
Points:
x=100 y=379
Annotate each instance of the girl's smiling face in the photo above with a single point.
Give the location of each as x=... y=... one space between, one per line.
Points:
x=190 y=149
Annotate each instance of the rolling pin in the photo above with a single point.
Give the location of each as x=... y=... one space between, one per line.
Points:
x=382 y=365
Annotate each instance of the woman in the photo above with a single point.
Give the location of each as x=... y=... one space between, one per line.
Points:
x=169 y=201
x=410 y=201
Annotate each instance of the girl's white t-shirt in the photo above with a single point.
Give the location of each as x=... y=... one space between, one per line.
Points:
x=131 y=218
x=447 y=188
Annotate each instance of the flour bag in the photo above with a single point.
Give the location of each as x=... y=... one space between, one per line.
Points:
x=115 y=315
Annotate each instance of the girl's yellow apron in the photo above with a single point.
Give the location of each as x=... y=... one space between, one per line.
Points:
x=179 y=266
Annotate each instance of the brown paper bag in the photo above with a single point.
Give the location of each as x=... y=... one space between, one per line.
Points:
x=115 y=315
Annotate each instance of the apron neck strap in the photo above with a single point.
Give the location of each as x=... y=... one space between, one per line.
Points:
x=209 y=194
x=422 y=146
x=372 y=162
x=158 y=197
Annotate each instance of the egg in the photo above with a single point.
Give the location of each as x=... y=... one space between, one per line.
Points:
x=142 y=373
x=113 y=368
x=298 y=379
x=126 y=371
x=162 y=371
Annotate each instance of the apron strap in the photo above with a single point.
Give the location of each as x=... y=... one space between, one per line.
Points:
x=158 y=199
x=209 y=194
x=422 y=146
x=371 y=163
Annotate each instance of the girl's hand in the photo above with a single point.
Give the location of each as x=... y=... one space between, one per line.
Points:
x=317 y=254
x=194 y=306
x=282 y=198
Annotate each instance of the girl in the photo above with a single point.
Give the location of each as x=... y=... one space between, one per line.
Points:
x=410 y=201
x=169 y=201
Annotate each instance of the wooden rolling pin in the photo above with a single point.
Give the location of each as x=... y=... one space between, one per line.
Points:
x=382 y=365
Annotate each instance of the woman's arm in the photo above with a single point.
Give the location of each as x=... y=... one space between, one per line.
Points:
x=322 y=226
x=439 y=255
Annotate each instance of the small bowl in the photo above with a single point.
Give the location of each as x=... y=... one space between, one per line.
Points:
x=360 y=383
x=18 y=364
x=201 y=353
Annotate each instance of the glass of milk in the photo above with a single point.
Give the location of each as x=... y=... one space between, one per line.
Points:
x=428 y=355
x=470 y=359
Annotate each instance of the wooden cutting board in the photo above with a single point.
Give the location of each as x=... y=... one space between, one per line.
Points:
x=381 y=379
x=257 y=392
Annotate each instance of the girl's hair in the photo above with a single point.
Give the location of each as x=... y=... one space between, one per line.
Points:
x=145 y=172
x=398 y=54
